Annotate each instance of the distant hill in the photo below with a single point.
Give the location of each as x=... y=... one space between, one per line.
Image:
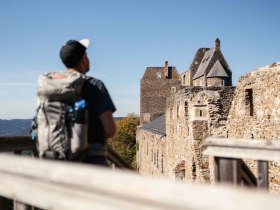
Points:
x=15 y=127
x=19 y=127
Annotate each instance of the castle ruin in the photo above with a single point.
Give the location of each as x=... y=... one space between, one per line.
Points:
x=175 y=124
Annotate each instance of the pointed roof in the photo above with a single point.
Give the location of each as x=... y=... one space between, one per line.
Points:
x=157 y=126
x=217 y=70
x=204 y=63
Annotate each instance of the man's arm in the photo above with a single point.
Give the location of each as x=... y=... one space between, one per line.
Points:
x=108 y=123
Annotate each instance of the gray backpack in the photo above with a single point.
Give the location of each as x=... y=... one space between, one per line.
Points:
x=61 y=118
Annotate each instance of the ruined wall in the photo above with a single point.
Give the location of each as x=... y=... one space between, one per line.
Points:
x=185 y=77
x=192 y=114
x=255 y=112
x=155 y=88
x=209 y=110
x=178 y=135
x=256 y=108
x=199 y=81
x=222 y=81
x=151 y=153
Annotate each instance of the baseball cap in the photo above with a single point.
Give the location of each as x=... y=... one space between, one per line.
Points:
x=72 y=52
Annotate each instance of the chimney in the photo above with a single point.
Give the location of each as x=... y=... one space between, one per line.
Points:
x=217 y=45
x=166 y=69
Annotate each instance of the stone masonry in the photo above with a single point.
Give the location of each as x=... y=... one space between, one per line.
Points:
x=192 y=114
x=255 y=112
x=156 y=86
x=205 y=105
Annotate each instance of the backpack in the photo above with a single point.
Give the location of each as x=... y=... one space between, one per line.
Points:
x=61 y=122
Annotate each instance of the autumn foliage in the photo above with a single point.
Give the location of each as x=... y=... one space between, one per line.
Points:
x=124 y=142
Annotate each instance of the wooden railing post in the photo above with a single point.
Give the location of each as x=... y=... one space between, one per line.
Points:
x=262 y=174
x=21 y=206
x=228 y=170
x=4 y=203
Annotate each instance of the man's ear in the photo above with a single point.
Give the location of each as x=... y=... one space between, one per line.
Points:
x=83 y=60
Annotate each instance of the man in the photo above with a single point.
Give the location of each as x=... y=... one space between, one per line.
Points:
x=100 y=105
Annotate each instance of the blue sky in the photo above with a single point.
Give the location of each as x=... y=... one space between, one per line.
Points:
x=126 y=37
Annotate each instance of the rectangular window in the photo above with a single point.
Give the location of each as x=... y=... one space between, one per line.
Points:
x=162 y=163
x=157 y=158
x=199 y=112
x=249 y=101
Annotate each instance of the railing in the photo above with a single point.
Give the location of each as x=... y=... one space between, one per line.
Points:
x=228 y=155
x=60 y=185
x=17 y=144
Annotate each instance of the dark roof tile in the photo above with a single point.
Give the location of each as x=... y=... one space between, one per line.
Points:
x=217 y=70
x=204 y=63
x=157 y=126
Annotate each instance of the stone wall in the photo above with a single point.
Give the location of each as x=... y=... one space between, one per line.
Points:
x=192 y=114
x=255 y=112
x=155 y=88
x=222 y=81
x=199 y=81
x=151 y=154
x=257 y=116
x=203 y=81
x=185 y=77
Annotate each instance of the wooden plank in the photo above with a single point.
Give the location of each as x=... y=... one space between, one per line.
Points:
x=263 y=175
x=60 y=186
x=118 y=161
x=21 y=206
x=242 y=153
x=217 y=167
x=247 y=176
x=229 y=170
x=20 y=143
x=13 y=143
x=4 y=203
x=243 y=143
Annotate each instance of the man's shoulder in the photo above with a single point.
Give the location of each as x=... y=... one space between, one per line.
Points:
x=92 y=82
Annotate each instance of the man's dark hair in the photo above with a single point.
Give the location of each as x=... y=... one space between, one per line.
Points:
x=71 y=53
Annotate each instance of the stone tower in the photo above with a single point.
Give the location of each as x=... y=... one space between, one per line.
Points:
x=209 y=68
x=157 y=84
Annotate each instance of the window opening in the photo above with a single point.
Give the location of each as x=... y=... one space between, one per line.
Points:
x=158 y=75
x=249 y=101
x=162 y=163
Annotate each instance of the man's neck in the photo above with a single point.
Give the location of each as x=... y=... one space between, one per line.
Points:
x=75 y=69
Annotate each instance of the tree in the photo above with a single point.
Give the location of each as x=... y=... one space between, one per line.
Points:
x=124 y=142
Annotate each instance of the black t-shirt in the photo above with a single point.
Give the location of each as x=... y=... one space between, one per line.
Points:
x=99 y=101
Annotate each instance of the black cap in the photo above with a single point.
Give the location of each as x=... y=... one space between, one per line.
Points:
x=72 y=52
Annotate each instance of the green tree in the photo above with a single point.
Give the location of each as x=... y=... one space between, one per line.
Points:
x=124 y=142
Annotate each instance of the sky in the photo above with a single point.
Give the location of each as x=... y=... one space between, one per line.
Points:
x=126 y=37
